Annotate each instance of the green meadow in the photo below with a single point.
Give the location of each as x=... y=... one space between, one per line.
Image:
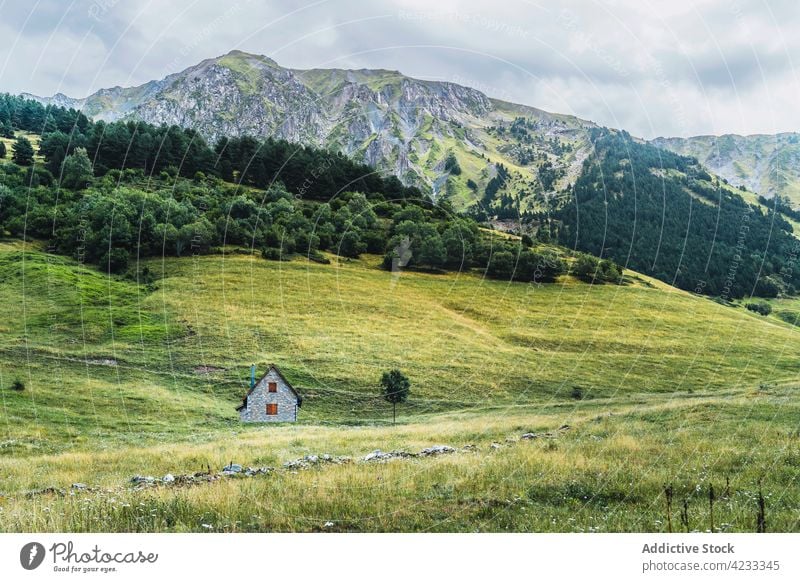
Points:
x=121 y=377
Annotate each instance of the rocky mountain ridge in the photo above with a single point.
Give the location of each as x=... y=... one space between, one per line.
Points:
x=444 y=137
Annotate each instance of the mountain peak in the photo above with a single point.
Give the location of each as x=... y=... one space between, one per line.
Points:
x=419 y=130
x=240 y=55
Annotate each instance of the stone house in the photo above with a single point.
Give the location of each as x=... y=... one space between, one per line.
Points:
x=271 y=399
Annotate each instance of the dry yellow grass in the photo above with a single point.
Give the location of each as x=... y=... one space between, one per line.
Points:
x=606 y=473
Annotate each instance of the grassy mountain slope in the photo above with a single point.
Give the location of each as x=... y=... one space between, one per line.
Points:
x=766 y=164
x=464 y=341
x=669 y=384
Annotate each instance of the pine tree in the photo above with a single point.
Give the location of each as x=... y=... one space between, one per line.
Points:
x=23 y=151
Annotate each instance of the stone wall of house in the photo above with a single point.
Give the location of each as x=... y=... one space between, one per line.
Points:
x=257 y=400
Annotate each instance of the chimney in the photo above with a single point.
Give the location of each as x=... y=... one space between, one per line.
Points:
x=252 y=376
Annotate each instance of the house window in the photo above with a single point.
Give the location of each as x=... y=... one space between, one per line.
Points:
x=273 y=386
x=272 y=409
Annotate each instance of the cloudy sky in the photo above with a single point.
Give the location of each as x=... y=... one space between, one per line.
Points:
x=653 y=68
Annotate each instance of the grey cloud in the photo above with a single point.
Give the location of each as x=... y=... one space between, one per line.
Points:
x=650 y=67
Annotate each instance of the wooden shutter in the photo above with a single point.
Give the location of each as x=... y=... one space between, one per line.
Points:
x=273 y=386
x=272 y=409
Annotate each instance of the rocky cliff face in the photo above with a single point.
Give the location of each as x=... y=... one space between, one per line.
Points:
x=402 y=125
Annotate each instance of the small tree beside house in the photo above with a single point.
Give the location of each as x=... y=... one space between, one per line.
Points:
x=395 y=387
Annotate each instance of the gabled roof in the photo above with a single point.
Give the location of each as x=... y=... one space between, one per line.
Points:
x=282 y=377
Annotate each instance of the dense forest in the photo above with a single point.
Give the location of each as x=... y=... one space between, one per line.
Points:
x=109 y=193
x=661 y=214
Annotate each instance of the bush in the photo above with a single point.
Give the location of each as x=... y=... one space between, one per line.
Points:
x=351 y=245
x=451 y=165
x=318 y=257
x=115 y=261
x=593 y=270
x=273 y=254
x=760 y=308
x=18 y=385
x=577 y=393
x=77 y=170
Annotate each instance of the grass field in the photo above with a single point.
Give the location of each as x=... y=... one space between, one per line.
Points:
x=674 y=389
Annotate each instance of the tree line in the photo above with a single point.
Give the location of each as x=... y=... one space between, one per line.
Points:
x=310 y=172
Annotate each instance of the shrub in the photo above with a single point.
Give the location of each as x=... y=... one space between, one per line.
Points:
x=318 y=257
x=760 y=308
x=77 y=170
x=593 y=270
x=18 y=385
x=115 y=260
x=273 y=254
x=577 y=393
x=451 y=164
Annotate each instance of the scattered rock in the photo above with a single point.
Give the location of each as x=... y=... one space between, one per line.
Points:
x=328 y=524
x=313 y=460
x=529 y=436
x=231 y=469
x=139 y=480
x=306 y=462
x=103 y=362
x=378 y=455
x=78 y=486
x=495 y=446
x=204 y=370
x=564 y=427
x=296 y=464
x=253 y=471
x=437 y=450
x=46 y=491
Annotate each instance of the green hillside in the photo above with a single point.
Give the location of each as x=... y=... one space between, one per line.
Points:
x=149 y=283
x=123 y=379
x=333 y=329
